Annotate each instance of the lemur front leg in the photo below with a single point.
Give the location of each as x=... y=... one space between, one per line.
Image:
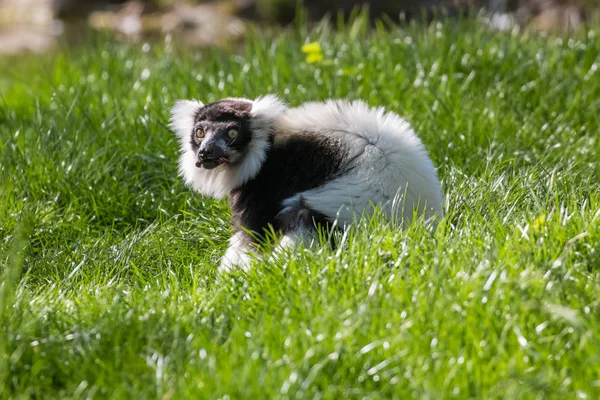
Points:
x=237 y=254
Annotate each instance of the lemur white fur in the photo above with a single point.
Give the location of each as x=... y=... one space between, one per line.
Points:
x=389 y=166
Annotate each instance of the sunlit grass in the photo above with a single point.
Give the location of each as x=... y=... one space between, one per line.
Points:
x=108 y=263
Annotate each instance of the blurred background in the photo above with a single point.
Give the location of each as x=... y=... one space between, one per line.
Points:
x=37 y=25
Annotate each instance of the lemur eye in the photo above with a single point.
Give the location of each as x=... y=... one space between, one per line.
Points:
x=232 y=133
x=199 y=133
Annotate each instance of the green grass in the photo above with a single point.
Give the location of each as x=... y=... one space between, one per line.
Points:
x=108 y=283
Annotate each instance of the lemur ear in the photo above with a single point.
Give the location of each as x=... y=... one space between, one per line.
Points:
x=268 y=107
x=182 y=116
x=265 y=110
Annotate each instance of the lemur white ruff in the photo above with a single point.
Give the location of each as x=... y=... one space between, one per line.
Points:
x=293 y=167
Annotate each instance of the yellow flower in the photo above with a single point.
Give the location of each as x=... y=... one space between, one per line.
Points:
x=314 y=58
x=313 y=51
x=313 y=47
x=538 y=224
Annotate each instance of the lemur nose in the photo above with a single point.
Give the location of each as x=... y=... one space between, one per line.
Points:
x=205 y=152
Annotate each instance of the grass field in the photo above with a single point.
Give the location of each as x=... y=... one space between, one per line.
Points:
x=108 y=281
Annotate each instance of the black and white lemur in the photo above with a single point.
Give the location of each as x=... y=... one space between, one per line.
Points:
x=288 y=169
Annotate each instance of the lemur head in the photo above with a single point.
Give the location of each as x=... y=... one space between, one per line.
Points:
x=223 y=144
x=221 y=133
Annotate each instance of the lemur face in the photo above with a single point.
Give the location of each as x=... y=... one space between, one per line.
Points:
x=221 y=133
